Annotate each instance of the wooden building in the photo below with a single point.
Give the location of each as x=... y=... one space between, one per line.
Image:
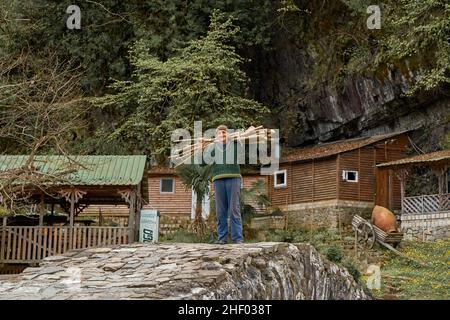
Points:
x=81 y=181
x=340 y=173
x=423 y=216
x=167 y=193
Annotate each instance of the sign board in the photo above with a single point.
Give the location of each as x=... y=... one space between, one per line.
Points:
x=149 y=226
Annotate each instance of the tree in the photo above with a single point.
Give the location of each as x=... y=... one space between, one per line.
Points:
x=197 y=178
x=40 y=111
x=202 y=82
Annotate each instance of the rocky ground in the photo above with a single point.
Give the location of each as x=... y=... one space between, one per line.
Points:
x=186 y=271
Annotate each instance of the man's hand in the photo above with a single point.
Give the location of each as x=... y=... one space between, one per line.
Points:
x=201 y=141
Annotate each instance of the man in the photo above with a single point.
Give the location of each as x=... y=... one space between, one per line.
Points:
x=226 y=176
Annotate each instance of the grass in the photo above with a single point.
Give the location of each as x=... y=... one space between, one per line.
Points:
x=403 y=279
x=185 y=236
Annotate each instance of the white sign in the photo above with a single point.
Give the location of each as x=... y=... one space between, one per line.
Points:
x=149 y=226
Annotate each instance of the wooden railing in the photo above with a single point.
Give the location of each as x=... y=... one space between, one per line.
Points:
x=31 y=244
x=426 y=204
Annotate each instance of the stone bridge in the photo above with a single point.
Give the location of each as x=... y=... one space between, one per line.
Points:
x=186 y=271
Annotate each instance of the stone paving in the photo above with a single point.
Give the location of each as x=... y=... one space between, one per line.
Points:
x=185 y=271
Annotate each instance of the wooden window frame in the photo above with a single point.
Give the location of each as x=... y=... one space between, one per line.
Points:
x=166 y=192
x=280 y=186
x=345 y=176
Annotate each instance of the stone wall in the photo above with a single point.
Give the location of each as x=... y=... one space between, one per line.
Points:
x=186 y=271
x=325 y=217
x=426 y=227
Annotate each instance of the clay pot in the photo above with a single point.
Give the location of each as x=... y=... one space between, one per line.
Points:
x=384 y=219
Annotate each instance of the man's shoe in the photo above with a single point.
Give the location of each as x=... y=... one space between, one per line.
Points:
x=238 y=241
x=220 y=242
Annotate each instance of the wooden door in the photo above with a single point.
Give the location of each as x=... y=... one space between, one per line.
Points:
x=382 y=188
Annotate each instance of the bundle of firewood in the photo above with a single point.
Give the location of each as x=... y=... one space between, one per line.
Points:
x=252 y=134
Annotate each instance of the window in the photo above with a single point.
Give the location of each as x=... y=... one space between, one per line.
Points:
x=167 y=185
x=350 y=175
x=280 y=179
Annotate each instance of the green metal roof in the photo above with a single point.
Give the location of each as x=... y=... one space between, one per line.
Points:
x=83 y=170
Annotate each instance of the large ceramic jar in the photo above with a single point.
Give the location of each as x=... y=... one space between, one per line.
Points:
x=384 y=219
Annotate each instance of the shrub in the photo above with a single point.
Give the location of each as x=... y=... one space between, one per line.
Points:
x=334 y=254
x=350 y=265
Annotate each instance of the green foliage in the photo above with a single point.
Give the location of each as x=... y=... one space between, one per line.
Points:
x=196 y=177
x=202 y=82
x=413 y=40
x=4 y=212
x=416 y=32
x=35 y=28
x=352 y=268
x=255 y=195
x=334 y=253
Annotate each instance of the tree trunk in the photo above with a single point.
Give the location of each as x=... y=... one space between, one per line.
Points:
x=199 y=225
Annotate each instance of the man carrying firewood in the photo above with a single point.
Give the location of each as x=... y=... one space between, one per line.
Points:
x=226 y=176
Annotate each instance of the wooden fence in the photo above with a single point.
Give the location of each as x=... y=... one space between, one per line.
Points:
x=31 y=244
x=426 y=204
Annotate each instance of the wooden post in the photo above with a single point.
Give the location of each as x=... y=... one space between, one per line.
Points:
x=72 y=212
x=391 y=190
x=131 y=217
x=41 y=211
x=138 y=210
x=72 y=207
x=338 y=176
x=100 y=217
x=402 y=177
x=2 y=252
x=441 y=173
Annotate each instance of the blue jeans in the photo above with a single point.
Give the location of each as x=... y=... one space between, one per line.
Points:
x=227 y=193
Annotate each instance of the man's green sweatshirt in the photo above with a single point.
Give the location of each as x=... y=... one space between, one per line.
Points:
x=224 y=169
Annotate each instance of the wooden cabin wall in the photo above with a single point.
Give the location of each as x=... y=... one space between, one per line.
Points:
x=172 y=204
x=324 y=182
x=394 y=149
x=178 y=204
x=306 y=182
x=361 y=160
x=302 y=183
x=364 y=160
x=281 y=196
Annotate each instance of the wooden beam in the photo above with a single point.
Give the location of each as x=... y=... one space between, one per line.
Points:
x=359 y=174
x=72 y=207
x=401 y=175
x=2 y=252
x=71 y=214
x=41 y=210
x=391 y=190
x=138 y=210
x=313 y=178
x=132 y=216
x=338 y=179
